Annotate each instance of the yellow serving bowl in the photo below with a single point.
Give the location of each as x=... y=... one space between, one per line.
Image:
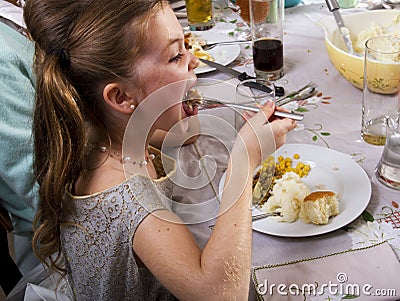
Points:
x=351 y=66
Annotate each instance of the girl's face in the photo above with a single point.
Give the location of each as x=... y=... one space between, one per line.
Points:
x=166 y=61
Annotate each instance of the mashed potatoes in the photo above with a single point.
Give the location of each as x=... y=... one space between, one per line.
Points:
x=374 y=31
x=286 y=197
x=292 y=199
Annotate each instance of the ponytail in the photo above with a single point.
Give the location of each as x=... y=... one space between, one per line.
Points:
x=74 y=59
x=59 y=138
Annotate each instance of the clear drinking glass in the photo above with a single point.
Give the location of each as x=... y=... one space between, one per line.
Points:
x=266 y=18
x=250 y=96
x=243 y=6
x=388 y=169
x=381 y=86
x=200 y=14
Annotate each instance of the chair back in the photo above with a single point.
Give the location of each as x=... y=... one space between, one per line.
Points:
x=5 y=221
x=10 y=273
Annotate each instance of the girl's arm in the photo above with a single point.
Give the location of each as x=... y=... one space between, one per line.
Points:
x=222 y=269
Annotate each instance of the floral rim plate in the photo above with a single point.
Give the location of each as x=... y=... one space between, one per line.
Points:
x=222 y=54
x=330 y=170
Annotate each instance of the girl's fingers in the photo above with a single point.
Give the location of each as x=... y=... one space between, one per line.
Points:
x=265 y=113
x=247 y=115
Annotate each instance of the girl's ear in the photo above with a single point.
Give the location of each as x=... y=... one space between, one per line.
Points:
x=116 y=97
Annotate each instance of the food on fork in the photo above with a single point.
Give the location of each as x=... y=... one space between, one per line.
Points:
x=195 y=44
x=318 y=207
x=193 y=98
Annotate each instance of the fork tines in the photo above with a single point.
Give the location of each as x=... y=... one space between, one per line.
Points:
x=292 y=95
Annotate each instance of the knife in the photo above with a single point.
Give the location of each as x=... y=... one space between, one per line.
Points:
x=279 y=91
x=333 y=7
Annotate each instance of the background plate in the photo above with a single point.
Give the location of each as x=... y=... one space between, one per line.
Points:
x=222 y=54
x=330 y=170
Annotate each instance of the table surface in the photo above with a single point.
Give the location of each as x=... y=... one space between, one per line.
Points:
x=332 y=120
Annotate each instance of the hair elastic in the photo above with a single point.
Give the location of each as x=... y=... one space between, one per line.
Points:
x=63 y=56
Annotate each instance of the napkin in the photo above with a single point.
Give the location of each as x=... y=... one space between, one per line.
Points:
x=37 y=293
x=42 y=284
x=365 y=273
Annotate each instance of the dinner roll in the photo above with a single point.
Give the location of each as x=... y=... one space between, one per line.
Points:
x=318 y=207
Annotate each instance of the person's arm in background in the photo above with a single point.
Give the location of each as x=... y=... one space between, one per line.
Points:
x=18 y=191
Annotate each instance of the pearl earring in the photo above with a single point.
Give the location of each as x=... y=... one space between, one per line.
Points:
x=132 y=107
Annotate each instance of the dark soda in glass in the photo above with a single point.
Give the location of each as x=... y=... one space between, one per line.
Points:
x=268 y=55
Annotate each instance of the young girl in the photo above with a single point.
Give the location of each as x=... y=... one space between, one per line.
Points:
x=96 y=63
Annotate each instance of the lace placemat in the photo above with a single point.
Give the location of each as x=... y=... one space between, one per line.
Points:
x=369 y=272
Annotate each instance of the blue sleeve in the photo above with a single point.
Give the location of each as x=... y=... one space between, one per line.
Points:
x=18 y=191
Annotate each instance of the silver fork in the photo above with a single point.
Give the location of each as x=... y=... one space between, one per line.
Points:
x=209 y=46
x=310 y=89
x=205 y=103
x=256 y=217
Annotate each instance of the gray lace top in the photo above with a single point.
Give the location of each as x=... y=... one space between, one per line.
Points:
x=97 y=241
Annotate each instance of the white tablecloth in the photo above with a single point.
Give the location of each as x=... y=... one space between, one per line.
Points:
x=332 y=120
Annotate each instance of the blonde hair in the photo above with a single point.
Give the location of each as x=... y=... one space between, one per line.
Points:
x=80 y=46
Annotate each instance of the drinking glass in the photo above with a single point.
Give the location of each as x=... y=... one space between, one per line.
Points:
x=388 y=169
x=244 y=12
x=266 y=17
x=199 y=14
x=381 y=86
x=250 y=96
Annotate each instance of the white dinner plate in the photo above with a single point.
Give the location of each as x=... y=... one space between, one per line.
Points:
x=330 y=170
x=222 y=54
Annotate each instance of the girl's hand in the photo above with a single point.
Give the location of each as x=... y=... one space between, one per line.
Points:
x=263 y=133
